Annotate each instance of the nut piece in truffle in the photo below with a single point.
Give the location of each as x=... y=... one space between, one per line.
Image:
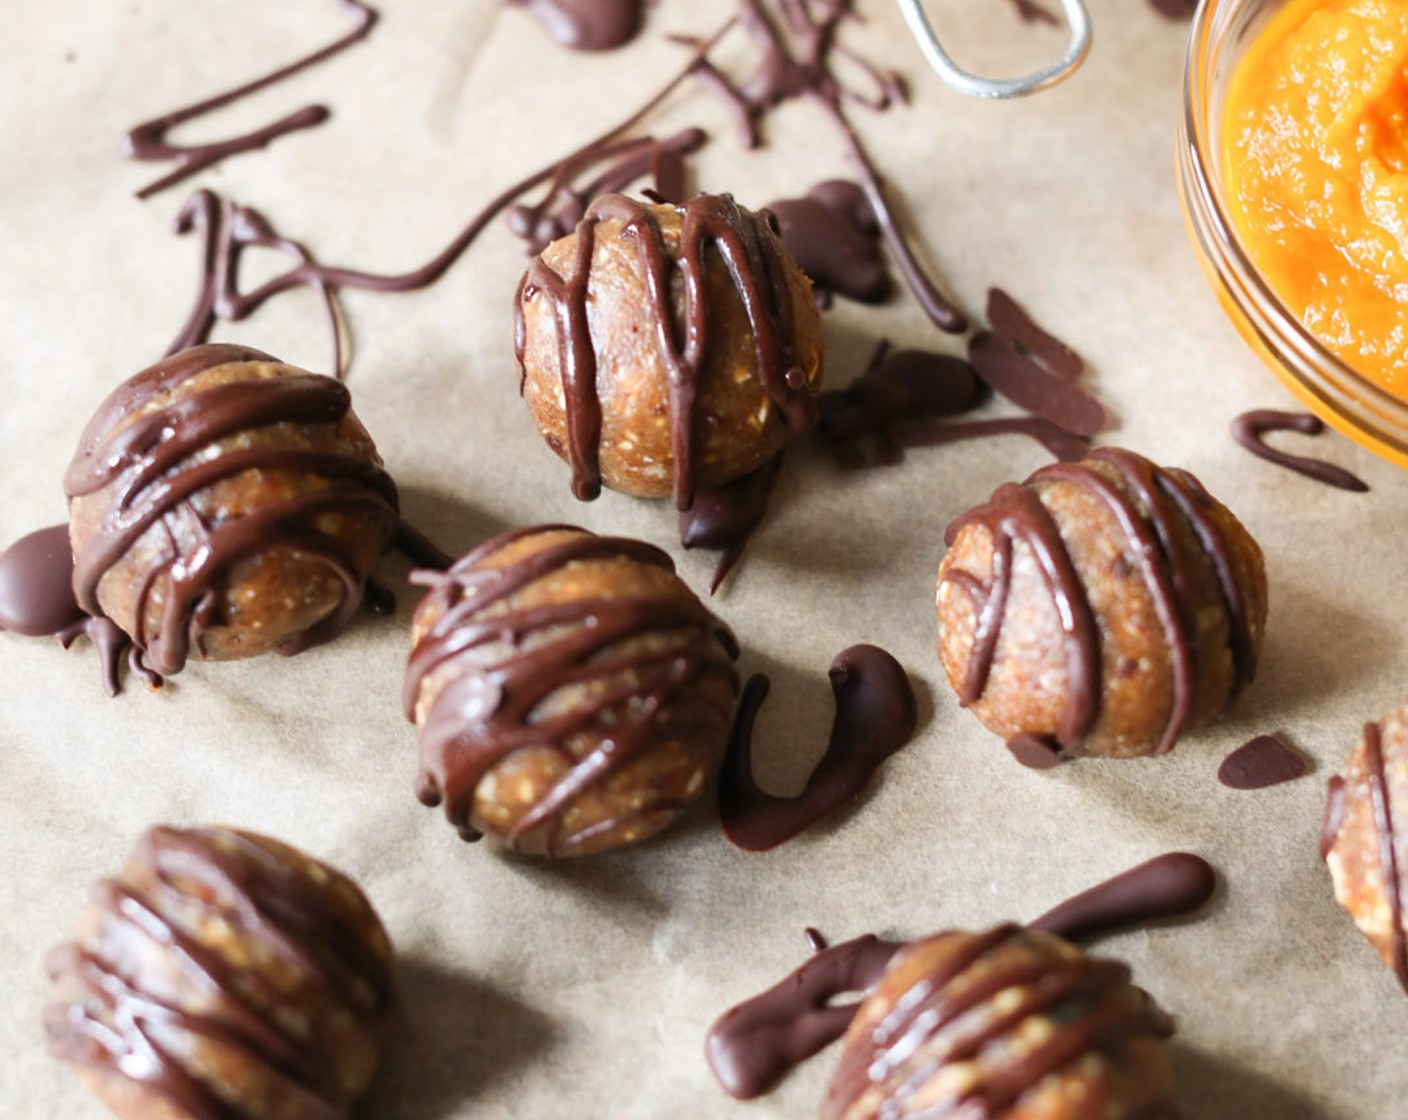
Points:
x=571 y=693
x=223 y=504
x=1365 y=842
x=1100 y=608
x=223 y=974
x=668 y=348
x=1010 y=1023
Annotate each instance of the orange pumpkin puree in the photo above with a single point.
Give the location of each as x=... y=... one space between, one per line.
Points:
x=1315 y=160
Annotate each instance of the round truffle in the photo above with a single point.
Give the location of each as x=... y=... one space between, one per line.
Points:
x=223 y=974
x=668 y=348
x=1100 y=608
x=1365 y=842
x=223 y=504
x=1010 y=1023
x=571 y=693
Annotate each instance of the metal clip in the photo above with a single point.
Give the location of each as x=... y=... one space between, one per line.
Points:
x=997 y=88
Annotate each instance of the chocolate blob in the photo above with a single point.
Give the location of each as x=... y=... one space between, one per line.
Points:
x=1261 y=762
x=587 y=25
x=36 y=585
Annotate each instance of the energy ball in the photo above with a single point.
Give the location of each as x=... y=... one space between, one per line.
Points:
x=223 y=504
x=1365 y=842
x=1011 y=1023
x=223 y=974
x=1102 y=608
x=571 y=693
x=666 y=348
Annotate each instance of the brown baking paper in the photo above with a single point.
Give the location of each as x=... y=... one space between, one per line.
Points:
x=584 y=989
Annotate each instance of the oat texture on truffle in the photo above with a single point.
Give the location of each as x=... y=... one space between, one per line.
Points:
x=1100 y=608
x=223 y=974
x=571 y=693
x=1011 y=1023
x=668 y=348
x=223 y=504
x=1365 y=842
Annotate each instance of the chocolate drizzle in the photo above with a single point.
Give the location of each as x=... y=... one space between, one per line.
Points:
x=751 y=253
x=875 y=717
x=512 y=659
x=181 y=885
x=147 y=141
x=1250 y=428
x=155 y=463
x=1151 y=506
x=751 y=1047
x=724 y=518
x=587 y=25
x=1381 y=802
x=1259 y=763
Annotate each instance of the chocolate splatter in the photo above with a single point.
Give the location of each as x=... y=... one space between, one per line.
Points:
x=1153 y=506
x=587 y=25
x=1250 y=428
x=1264 y=761
x=1013 y=373
x=724 y=518
x=147 y=141
x=833 y=234
x=122 y=1017
x=875 y=717
x=751 y=1047
x=1168 y=886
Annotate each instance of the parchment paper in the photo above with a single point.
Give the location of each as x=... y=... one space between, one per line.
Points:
x=531 y=990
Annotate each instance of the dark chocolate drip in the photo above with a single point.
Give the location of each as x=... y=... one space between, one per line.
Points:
x=1262 y=762
x=1250 y=428
x=147 y=141
x=1035 y=752
x=587 y=25
x=750 y=252
x=1002 y=364
x=154 y=459
x=724 y=517
x=1168 y=886
x=197 y=878
x=875 y=717
x=1381 y=802
x=833 y=234
x=753 y=1046
x=1081 y=994
x=513 y=658
x=1151 y=506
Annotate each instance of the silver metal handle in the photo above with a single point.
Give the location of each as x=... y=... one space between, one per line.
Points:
x=955 y=77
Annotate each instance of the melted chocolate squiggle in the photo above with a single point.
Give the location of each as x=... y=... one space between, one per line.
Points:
x=875 y=717
x=147 y=141
x=752 y=255
x=1150 y=505
x=153 y=460
x=180 y=882
x=1250 y=429
x=751 y=1047
x=513 y=658
x=587 y=25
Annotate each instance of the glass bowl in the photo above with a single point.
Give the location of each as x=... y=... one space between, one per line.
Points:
x=1339 y=395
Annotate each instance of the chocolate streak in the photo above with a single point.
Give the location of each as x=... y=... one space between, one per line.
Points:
x=875 y=717
x=489 y=710
x=118 y=1024
x=752 y=254
x=587 y=25
x=1150 y=505
x=752 y=1046
x=154 y=461
x=1250 y=428
x=147 y=141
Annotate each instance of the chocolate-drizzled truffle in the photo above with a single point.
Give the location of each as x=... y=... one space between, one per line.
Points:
x=667 y=348
x=223 y=504
x=1100 y=608
x=1009 y=1023
x=1365 y=843
x=571 y=693
x=224 y=974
